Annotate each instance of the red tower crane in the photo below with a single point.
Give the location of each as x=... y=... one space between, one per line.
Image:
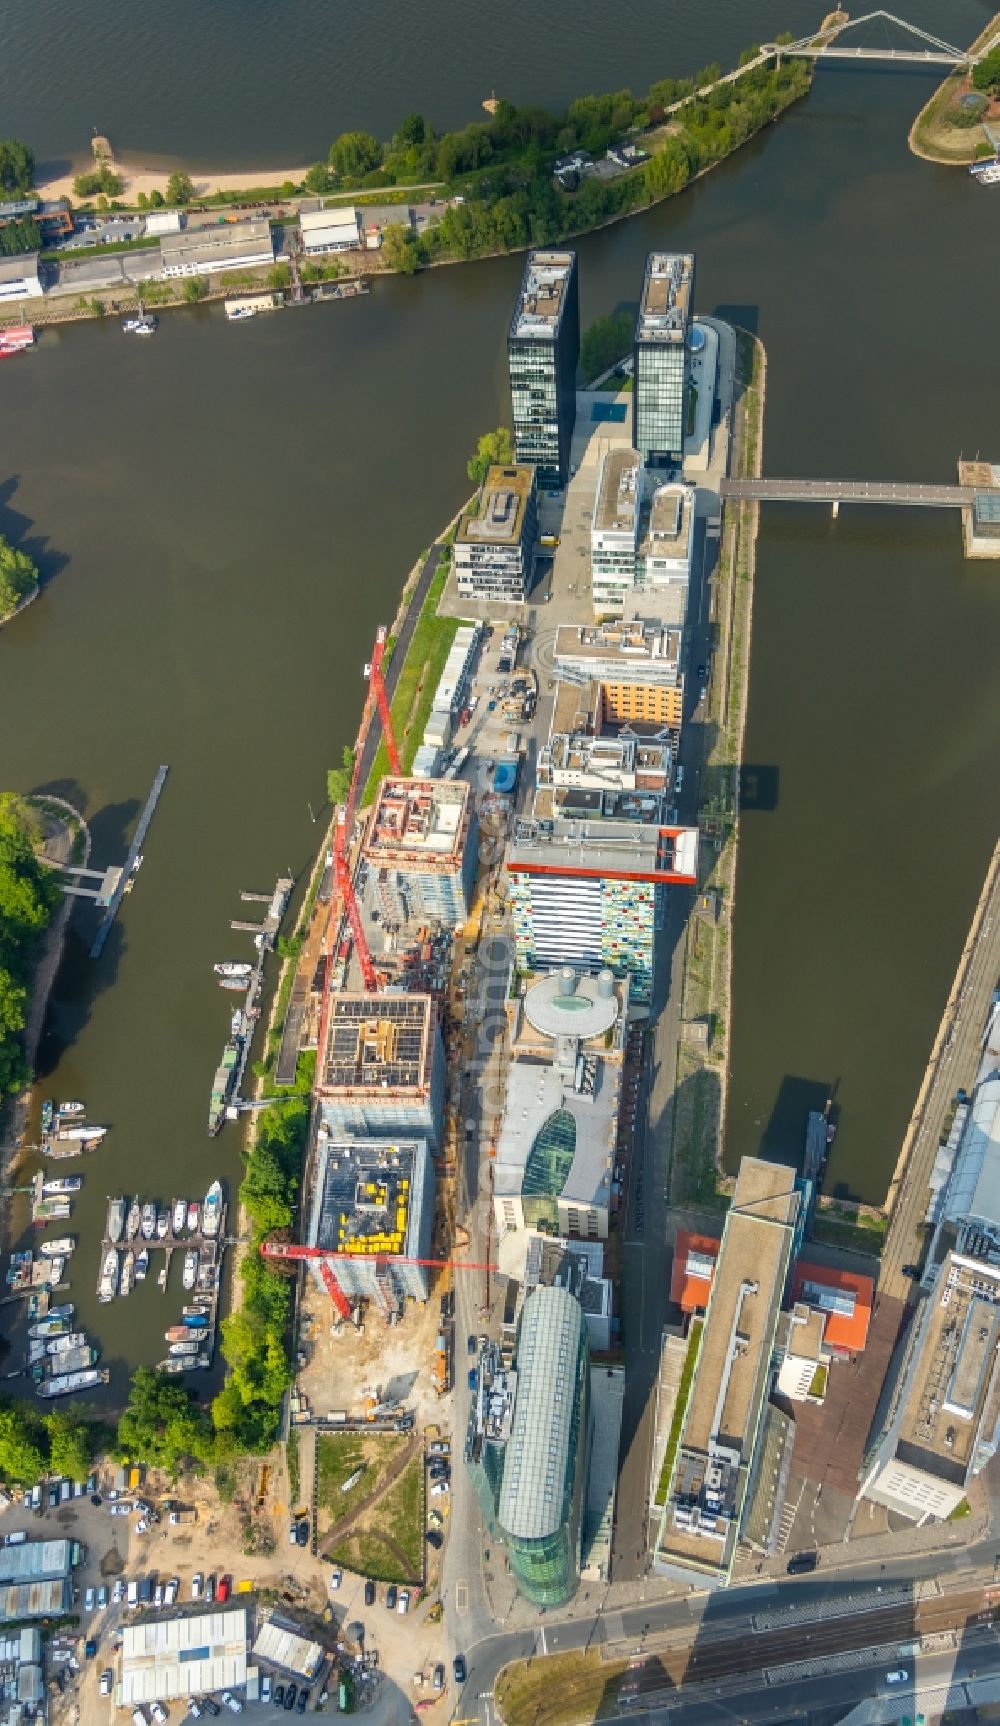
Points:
x=277 y=1249
x=376 y=681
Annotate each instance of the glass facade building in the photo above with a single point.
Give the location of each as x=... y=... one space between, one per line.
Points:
x=661 y=358
x=528 y=1445
x=543 y=350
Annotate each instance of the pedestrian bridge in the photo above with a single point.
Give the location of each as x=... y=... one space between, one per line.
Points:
x=827 y=45
x=837 y=491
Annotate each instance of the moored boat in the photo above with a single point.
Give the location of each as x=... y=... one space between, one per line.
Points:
x=71 y=1108
x=62 y=1344
x=193 y=1218
x=55 y=1322
x=51 y=1211
x=190 y=1275
x=116 y=1219
x=57 y=1270
x=142 y=1265
x=133 y=1222
x=141 y=326
x=162 y=1225
x=211 y=1210
x=188 y=1347
x=178 y=1215
x=230 y=968
x=74 y=1360
x=986 y=172
x=171 y=1365
x=85 y=1135
x=107 y=1287
x=177 y=1333
x=223 y=1085
x=62 y=1184
x=64 y=1384
x=236 y=983
x=16 y=340
x=48 y=1111
x=128 y=1273
x=148 y=1221
x=195 y=1320
x=60 y=1248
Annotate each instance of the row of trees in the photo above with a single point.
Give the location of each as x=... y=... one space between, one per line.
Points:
x=17 y=168
x=22 y=235
x=32 y=1445
x=986 y=73
x=513 y=206
x=604 y=343
x=28 y=896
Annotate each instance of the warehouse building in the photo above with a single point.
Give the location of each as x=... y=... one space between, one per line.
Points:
x=35 y=1579
x=495 y=541
x=715 y=1465
x=373 y=1206
x=167 y=1659
x=280 y=1645
x=420 y=852
x=382 y=1072
x=334 y=230
x=202 y=251
x=22 y=1677
x=19 y=278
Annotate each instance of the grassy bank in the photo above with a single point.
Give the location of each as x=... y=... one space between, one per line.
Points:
x=418 y=680
x=559 y=1691
x=943 y=131
x=703 y=1061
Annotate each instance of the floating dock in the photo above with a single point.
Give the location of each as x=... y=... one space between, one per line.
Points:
x=249 y=1012
x=118 y=895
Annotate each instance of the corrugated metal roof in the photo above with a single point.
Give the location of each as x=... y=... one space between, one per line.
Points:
x=282 y=1646
x=164 y=1658
x=35 y=1560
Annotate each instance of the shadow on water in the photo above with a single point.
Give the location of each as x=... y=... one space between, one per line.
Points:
x=17 y=528
x=742 y=317
x=783 y=1138
x=758 y=788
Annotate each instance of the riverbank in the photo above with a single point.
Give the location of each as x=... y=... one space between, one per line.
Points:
x=933 y=138
x=140 y=180
x=697 y=1174
x=66 y=840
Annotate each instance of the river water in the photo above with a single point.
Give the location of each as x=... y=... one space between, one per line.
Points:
x=225 y=514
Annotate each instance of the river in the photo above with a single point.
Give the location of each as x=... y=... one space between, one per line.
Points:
x=225 y=514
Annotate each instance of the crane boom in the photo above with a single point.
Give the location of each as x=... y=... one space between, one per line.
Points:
x=288 y=1250
x=377 y=683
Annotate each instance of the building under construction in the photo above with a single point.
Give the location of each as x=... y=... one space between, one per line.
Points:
x=420 y=852
x=373 y=1209
x=381 y=1071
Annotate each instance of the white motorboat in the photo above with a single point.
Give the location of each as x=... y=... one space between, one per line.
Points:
x=178 y=1215
x=190 y=1276
x=211 y=1210
x=107 y=1287
x=59 y=1248
x=128 y=1273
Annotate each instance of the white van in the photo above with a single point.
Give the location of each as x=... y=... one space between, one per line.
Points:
x=133 y=1594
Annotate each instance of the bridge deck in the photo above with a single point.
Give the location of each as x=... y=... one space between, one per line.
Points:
x=847 y=491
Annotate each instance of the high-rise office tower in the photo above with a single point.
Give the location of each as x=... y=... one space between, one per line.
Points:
x=661 y=358
x=543 y=350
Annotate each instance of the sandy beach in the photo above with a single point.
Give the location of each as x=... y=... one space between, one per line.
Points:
x=138 y=179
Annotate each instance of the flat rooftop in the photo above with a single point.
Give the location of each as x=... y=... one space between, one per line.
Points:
x=637 y=652
x=616 y=509
x=22 y=264
x=578 y=1167
x=212 y=244
x=953 y=1377
x=693 y=1269
x=419 y=823
x=845 y=1299
x=378 y=1043
x=667 y=522
x=665 y=306
x=363 y=1193
x=743 y=1310
x=541 y=298
x=622 y=850
x=498 y=518
x=180 y=1656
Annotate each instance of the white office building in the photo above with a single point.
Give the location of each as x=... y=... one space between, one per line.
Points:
x=614 y=532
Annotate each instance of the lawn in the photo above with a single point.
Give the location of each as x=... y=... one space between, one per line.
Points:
x=680 y=1409
x=559 y=1691
x=418 y=681
x=341 y=1454
x=387 y=1543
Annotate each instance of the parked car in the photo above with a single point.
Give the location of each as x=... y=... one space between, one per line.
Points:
x=440 y=1471
x=911 y=1271
x=439 y=1677
x=439 y=1488
x=369 y=1593
x=158 y=1593
x=107 y=1679
x=224 y=1589
x=209 y=1589
x=159 y=1713
x=18 y=1538
x=802 y=1562
x=120 y=1509
x=53 y=1494
x=433 y=1538
x=279 y=1696
x=898 y=1677
x=211 y=1706
x=265 y=1686
x=290 y=1695
x=88 y=1600
x=390 y=1597
x=171 y=1591
x=303 y=1702
x=197 y=1582
x=302 y=1532
x=293 y=1534
x=232 y=1702
x=439 y=1447
x=336 y=1578
x=195 y=1708
x=102 y=1595
x=90 y=1647
x=471 y=1345
x=118 y=1591
x=403 y=1603
x=458 y=1668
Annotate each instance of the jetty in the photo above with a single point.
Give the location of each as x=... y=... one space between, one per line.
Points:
x=121 y=887
x=211 y=1252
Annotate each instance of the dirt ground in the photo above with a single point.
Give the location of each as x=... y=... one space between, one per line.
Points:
x=394 y=1360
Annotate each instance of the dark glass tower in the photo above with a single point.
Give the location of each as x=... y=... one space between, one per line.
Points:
x=543 y=350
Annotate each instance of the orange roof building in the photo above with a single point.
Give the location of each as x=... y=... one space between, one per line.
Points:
x=844 y=1299
x=692 y=1270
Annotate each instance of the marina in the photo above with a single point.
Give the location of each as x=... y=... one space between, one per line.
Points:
x=168 y=1228
x=232 y=974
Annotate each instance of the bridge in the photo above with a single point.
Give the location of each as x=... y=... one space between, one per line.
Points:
x=838 y=491
x=827 y=46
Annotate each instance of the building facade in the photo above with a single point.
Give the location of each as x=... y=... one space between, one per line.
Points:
x=495 y=542
x=614 y=531
x=420 y=852
x=382 y=1072
x=528 y=1446
x=638 y=664
x=543 y=351
x=202 y=251
x=661 y=358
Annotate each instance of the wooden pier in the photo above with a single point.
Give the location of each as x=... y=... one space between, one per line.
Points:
x=118 y=895
x=277 y=904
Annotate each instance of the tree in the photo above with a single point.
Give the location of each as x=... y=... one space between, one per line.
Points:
x=494 y=449
x=71 y=1445
x=195 y=289
x=606 y=342
x=22 y=235
x=160 y=1424
x=17 y=167
x=338 y=779
x=355 y=154
x=318 y=178
x=156 y=199
x=103 y=180
x=22 y=1456
x=180 y=188
x=18 y=575
x=985 y=74
x=412 y=129
x=401 y=249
